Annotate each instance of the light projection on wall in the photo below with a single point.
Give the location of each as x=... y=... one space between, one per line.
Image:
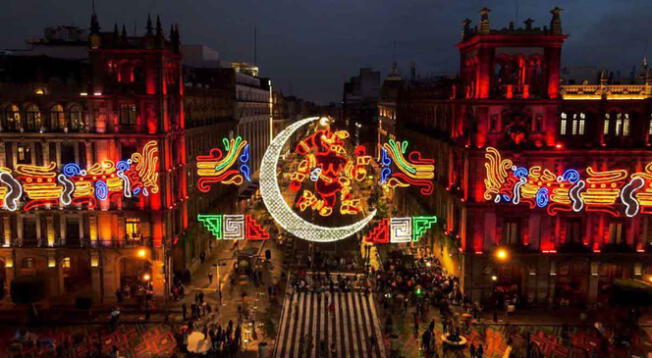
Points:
x=43 y=186
x=400 y=230
x=229 y=168
x=233 y=227
x=616 y=192
x=331 y=170
x=412 y=171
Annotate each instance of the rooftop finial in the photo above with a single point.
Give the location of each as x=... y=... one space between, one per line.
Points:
x=159 y=28
x=484 y=21
x=149 y=25
x=555 y=22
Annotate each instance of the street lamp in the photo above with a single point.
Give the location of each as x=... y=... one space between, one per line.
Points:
x=502 y=254
x=142 y=253
x=146 y=277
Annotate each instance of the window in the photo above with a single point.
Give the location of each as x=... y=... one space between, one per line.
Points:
x=28 y=263
x=32 y=118
x=11 y=118
x=68 y=153
x=128 y=115
x=616 y=232
x=511 y=232
x=622 y=124
x=76 y=118
x=23 y=154
x=562 y=124
x=132 y=228
x=605 y=129
x=57 y=119
x=649 y=127
x=65 y=263
x=578 y=124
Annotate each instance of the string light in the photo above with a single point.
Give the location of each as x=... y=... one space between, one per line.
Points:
x=400 y=230
x=414 y=171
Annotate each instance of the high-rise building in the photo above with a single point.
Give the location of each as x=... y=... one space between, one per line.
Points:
x=541 y=187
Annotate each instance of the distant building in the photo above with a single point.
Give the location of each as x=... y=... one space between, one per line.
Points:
x=200 y=56
x=360 y=106
x=387 y=107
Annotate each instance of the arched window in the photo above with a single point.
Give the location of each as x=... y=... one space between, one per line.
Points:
x=622 y=124
x=578 y=123
x=33 y=121
x=562 y=123
x=76 y=118
x=11 y=118
x=57 y=118
x=607 y=119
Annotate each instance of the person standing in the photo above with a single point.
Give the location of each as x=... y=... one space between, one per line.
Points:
x=210 y=277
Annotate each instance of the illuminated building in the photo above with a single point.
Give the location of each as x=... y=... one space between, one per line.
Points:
x=389 y=93
x=100 y=226
x=541 y=188
x=360 y=107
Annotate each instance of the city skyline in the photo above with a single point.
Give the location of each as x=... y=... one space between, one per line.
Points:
x=421 y=32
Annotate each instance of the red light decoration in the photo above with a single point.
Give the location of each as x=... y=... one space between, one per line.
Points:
x=327 y=164
x=253 y=230
x=380 y=233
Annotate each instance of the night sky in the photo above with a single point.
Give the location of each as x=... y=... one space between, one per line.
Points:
x=312 y=46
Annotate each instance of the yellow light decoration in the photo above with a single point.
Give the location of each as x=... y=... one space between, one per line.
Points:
x=496 y=172
x=146 y=165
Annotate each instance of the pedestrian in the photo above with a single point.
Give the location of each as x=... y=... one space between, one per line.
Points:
x=184 y=310
x=202 y=257
x=479 y=351
x=210 y=277
x=472 y=351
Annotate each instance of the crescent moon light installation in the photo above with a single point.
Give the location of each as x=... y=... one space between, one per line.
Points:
x=281 y=211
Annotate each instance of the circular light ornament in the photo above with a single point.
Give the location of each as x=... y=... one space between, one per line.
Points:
x=281 y=211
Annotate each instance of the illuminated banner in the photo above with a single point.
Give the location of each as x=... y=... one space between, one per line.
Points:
x=44 y=186
x=412 y=171
x=233 y=227
x=400 y=230
x=570 y=190
x=232 y=168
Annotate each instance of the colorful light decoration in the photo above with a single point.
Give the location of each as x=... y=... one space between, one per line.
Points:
x=233 y=227
x=44 y=187
x=281 y=211
x=571 y=191
x=218 y=168
x=412 y=171
x=327 y=164
x=400 y=230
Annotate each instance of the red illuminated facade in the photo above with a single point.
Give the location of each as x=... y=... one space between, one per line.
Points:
x=509 y=96
x=127 y=92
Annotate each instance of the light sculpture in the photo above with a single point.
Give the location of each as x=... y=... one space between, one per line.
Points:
x=219 y=168
x=412 y=171
x=233 y=227
x=572 y=190
x=281 y=211
x=400 y=230
x=44 y=186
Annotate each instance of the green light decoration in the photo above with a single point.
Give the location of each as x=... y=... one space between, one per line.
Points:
x=213 y=223
x=421 y=224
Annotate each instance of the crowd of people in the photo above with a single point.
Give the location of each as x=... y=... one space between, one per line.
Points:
x=407 y=284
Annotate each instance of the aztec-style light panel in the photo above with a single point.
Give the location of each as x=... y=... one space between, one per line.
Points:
x=233 y=227
x=232 y=168
x=42 y=186
x=281 y=211
x=569 y=191
x=328 y=165
x=413 y=170
x=400 y=230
